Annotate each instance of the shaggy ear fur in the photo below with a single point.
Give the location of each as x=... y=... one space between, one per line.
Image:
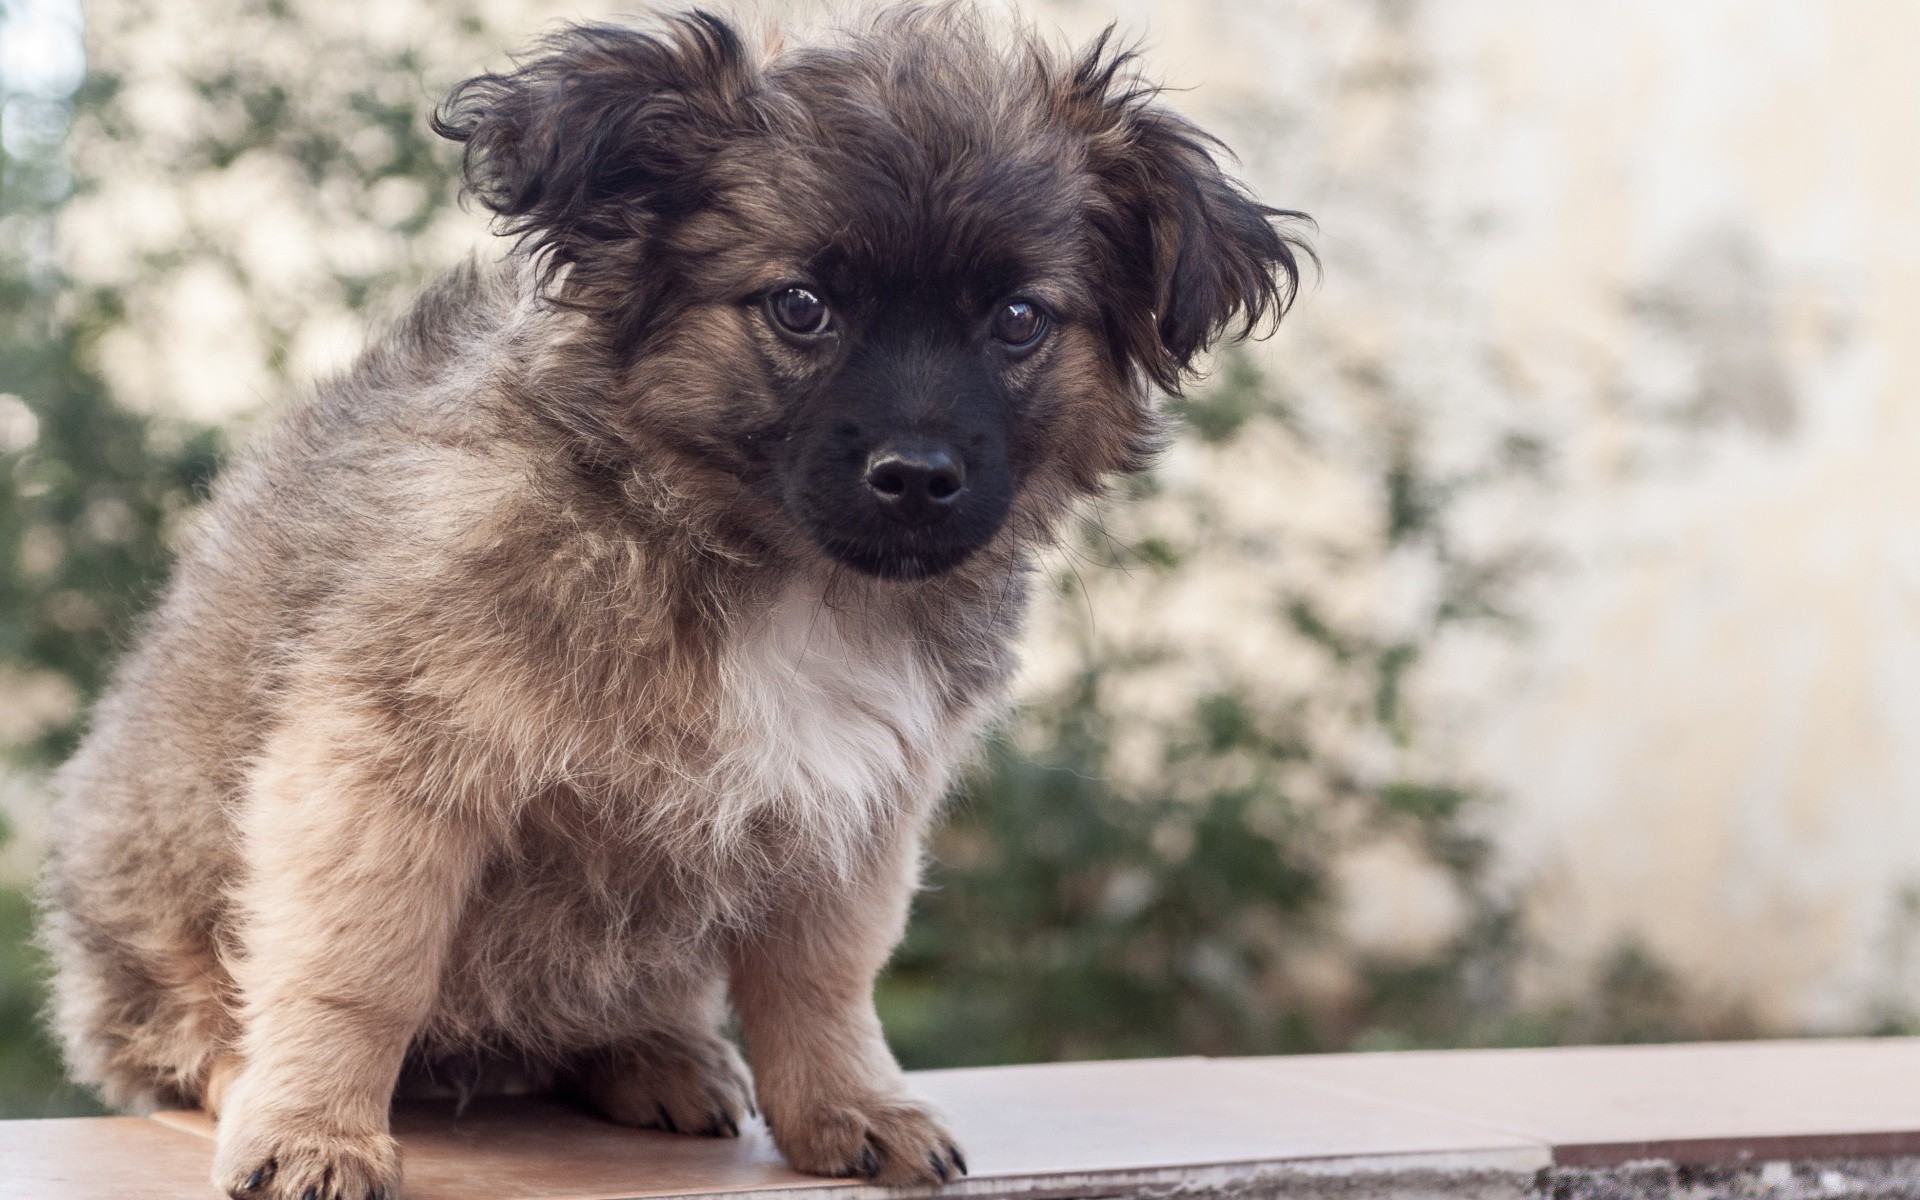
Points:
x=1190 y=254
x=587 y=148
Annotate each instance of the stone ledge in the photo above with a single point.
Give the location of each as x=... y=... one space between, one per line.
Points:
x=1775 y=1119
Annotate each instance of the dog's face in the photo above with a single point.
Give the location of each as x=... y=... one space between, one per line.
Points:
x=902 y=295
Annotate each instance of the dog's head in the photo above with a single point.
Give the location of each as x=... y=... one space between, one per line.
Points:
x=904 y=292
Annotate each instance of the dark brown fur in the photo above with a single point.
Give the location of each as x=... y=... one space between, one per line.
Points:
x=515 y=712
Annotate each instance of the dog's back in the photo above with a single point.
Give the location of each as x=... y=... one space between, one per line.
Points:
x=146 y=851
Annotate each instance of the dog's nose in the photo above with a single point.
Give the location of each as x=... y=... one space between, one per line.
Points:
x=916 y=486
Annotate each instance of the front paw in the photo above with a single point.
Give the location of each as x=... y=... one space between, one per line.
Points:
x=682 y=1084
x=890 y=1140
x=292 y=1159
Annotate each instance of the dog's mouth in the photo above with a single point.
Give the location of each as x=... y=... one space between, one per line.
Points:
x=906 y=559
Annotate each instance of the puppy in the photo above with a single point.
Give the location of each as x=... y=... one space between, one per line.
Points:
x=591 y=658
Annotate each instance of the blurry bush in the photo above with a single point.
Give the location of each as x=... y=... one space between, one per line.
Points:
x=1221 y=763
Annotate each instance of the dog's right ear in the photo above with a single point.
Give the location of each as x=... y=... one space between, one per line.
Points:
x=586 y=148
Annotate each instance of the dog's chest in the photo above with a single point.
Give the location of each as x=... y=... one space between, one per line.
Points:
x=830 y=721
x=830 y=737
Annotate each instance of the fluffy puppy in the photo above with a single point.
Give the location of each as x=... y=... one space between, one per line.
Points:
x=592 y=656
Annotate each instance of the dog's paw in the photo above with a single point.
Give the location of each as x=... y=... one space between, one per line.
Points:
x=680 y=1084
x=890 y=1140
x=294 y=1161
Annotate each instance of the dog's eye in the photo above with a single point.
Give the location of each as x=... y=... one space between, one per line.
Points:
x=798 y=310
x=1019 y=324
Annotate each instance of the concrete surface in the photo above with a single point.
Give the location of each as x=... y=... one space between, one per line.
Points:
x=1781 y=1120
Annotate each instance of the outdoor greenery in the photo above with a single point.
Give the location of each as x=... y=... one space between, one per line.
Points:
x=1118 y=878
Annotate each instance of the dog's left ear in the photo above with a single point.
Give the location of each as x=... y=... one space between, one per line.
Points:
x=603 y=135
x=1191 y=255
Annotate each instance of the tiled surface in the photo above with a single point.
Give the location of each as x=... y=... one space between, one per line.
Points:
x=519 y=1149
x=1110 y=1128
x=1070 y=1122
x=125 y=1158
x=1697 y=1103
x=1084 y=1117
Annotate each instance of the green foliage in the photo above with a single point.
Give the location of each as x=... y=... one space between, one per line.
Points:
x=88 y=493
x=31 y=1081
x=1069 y=920
x=84 y=511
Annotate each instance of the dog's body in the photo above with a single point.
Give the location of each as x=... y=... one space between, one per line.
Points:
x=596 y=652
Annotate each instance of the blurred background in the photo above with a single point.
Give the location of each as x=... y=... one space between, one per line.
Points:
x=1522 y=647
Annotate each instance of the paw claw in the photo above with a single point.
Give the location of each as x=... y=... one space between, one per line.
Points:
x=959 y=1159
x=889 y=1139
x=288 y=1159
x=680 y=1084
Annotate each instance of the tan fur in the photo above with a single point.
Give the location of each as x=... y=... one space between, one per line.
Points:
x=500 y=728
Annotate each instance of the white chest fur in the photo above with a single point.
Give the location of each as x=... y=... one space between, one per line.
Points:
x=833 y=721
